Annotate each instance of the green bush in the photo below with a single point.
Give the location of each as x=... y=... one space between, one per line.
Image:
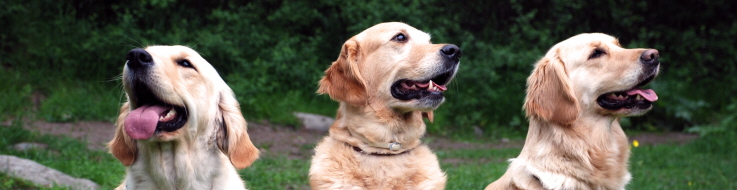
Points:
x=273 y=52
x=67 y=103
x=16 y=97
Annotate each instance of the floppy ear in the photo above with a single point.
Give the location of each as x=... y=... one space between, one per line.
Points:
x=342 y=80
x=233 y=137
x=123 y=147
x=549 y=93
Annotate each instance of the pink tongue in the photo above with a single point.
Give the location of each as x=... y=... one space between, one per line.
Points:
x=141 y=123
x=648 y=94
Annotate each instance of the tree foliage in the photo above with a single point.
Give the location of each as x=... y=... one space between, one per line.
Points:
x=274 y=51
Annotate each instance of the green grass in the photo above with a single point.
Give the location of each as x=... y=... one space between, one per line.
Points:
x=277 y=173
x=69 y=103
x=57 y=99
x=7 y=182
x=14 y=94
x=707 y=163
x=279 y=110
x=475 y=168
x=64 y=154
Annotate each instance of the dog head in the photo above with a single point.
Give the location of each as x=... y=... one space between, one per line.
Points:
x=591 y=73
x=392 y=64
x=175 y=95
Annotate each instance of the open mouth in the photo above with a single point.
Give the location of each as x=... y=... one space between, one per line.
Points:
x=152 y=115
x=634 y=98
x=434 y=87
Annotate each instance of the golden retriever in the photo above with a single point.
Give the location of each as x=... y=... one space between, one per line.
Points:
x=575 y=95
x=386 y=79
x=182 y=127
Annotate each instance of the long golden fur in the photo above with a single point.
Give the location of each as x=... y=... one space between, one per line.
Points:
x=575 y=95
x=200 y=136
x=386 y=79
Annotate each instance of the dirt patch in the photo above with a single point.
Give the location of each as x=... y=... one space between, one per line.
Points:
x=96 y=133
x=272 y=140
x=275 y=140
x=664 y=138
x=442 y=143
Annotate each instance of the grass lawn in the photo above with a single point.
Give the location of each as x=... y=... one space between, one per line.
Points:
x=707 y=163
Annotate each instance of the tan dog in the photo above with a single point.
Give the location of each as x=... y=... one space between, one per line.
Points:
x=386 y=78
x=182 y=127
x=575 y=96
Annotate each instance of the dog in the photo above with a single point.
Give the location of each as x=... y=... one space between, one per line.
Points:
x=575 y=97
x=181 y=127
x=386 y=78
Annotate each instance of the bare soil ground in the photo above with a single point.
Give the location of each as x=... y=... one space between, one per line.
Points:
x=298 y=143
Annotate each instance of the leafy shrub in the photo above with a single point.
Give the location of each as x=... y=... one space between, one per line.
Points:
x=15 y=97
x=273 y=52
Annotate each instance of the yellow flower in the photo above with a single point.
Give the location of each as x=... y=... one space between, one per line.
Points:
x=635 y=143
x=689 y=183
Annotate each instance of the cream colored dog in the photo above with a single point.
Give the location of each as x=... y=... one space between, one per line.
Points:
x=386 y=78
x=575 y=96
x=182 y=127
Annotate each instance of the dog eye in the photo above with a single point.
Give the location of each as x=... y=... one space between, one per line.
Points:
x=596 y=54
x=185 y=63
x=399 y=38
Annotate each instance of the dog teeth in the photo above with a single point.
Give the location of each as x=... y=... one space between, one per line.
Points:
x=618 y=96
x=432 y=86
x=169 y=116
x=638 y=97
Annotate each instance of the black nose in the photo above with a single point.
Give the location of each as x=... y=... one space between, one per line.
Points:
x=650 y=57
x=138 y=58
x=451 y=52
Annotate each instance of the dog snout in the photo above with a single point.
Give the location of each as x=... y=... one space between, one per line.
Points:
x=138 y=58
x=650 y=57
x=452 y=52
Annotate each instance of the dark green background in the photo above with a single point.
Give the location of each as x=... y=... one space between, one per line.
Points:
x=60 y=59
